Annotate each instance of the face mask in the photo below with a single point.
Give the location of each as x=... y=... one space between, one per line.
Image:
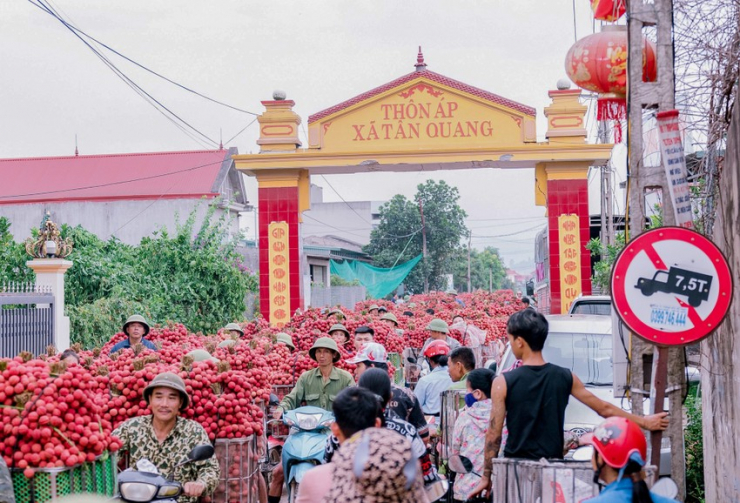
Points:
x=470 y=399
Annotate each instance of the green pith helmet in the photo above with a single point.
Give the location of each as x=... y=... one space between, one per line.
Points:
x=285 y=339
x=227 y=343
x=234 y=326
x=437 y=325
x=201 y=355
x=339 y=326
x=391 y=317
x=327 y=343
x=373 y=307
x=136 y=318
x=335 y=311
x=451 y=291
x=168 y=380
x=412 y=305
x=406 y=297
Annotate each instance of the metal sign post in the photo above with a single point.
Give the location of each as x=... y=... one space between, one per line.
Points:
x=671 y=286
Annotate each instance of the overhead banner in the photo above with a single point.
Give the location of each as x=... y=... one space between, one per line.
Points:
x=277 y=241
x=570 y=260
x=674 y=162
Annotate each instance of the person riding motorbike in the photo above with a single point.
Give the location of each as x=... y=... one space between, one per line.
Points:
x=317 y=387
x=166 y=439
x=430 y=386
x=620 y=453
x=403 y=401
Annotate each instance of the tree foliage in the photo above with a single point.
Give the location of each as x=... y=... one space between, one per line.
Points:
x=398 y=237
x=485 y=267
x=193 y=276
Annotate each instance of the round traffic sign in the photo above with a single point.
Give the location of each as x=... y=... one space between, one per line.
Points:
x=671 y=286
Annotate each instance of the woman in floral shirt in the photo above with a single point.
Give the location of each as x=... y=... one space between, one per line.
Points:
x=470 y=429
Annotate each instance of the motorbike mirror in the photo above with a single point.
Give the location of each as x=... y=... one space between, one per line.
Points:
x=460 y=464
x=665 y=487
x=411 y=359
x=436 y=490
x=201 y=453
x=584 y=453
x=274 y=400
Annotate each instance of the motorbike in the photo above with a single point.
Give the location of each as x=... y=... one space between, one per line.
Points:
x=304 y=447
x=272 y=454
x=146 y=484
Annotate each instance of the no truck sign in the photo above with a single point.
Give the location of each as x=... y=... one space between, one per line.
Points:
x=671 y=286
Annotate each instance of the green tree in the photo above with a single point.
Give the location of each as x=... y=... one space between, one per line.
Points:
x=399 y=236
x=485 y=267
x=13 y=258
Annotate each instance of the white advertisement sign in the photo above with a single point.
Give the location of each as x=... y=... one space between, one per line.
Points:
x=674 y=162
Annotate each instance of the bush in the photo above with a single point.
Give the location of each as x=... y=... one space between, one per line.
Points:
x=693 y=439
x=93 y=324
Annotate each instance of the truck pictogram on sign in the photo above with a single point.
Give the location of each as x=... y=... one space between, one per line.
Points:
x=693 y=285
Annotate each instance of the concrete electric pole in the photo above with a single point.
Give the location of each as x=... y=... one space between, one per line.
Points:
x=641 y=96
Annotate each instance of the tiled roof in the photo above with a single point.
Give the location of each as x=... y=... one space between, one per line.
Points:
x=430 y=75
x=111 y=177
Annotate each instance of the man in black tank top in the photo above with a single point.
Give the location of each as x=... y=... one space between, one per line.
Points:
x=533 y=397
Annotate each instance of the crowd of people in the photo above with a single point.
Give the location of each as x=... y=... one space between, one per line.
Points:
x=381 y=447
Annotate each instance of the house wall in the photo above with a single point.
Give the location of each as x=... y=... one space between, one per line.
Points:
x=129 y=220
x=339 y=219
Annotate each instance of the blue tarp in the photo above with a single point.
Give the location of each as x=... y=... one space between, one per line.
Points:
x=378 y=282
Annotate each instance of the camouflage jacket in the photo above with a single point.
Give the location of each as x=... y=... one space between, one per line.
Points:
x=139 y=441
x=6 y=486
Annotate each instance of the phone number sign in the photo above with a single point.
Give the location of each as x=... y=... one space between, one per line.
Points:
x=671 y=286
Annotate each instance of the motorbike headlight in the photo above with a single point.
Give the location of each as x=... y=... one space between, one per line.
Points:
x=169 y=491
x=308 y=421
x=137 y=491
x=327 y=422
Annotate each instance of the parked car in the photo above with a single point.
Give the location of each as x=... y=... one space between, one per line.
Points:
x=583 y=344
x=592 y=304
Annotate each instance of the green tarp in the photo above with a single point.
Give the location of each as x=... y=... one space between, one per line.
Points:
x=378 y=282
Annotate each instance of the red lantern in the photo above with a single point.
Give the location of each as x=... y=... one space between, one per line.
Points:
x=598 y=63
x=608 y=10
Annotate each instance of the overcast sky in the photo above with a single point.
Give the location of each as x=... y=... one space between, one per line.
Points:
x=319 y=52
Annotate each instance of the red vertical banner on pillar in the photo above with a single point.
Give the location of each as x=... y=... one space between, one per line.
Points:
x=277 y=243
x=279 y=205
x=570 y=260
x=570 y=198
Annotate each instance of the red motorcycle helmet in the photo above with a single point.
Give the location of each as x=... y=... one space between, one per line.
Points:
x=436 y=348
x=616 y=439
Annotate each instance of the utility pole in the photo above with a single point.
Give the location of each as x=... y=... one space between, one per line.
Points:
x=470 y=238
x=424 y=245
x=490 y=280
x=641 y=95
x=607 y=195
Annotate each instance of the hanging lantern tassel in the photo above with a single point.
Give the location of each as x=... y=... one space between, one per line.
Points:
x=612 y=108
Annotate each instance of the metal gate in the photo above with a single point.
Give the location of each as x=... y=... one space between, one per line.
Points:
x=26 y=322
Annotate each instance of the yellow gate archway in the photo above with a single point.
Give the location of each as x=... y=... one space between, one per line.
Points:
x=422 y=121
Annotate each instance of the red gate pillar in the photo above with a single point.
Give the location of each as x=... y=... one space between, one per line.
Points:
x=562 y=186
x=283 y=194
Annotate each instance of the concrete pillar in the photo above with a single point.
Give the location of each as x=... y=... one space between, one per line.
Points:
x=50 y=273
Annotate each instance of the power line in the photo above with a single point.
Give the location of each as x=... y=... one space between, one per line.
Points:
x=161 y=108
x=363 y=218
x=181 y=86
x=512 y=233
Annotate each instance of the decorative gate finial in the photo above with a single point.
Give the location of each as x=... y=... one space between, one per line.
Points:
x=420 y=65
x=49 y=242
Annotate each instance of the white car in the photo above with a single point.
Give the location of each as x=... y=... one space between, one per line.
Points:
x=592 y=304
x=583 y=344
